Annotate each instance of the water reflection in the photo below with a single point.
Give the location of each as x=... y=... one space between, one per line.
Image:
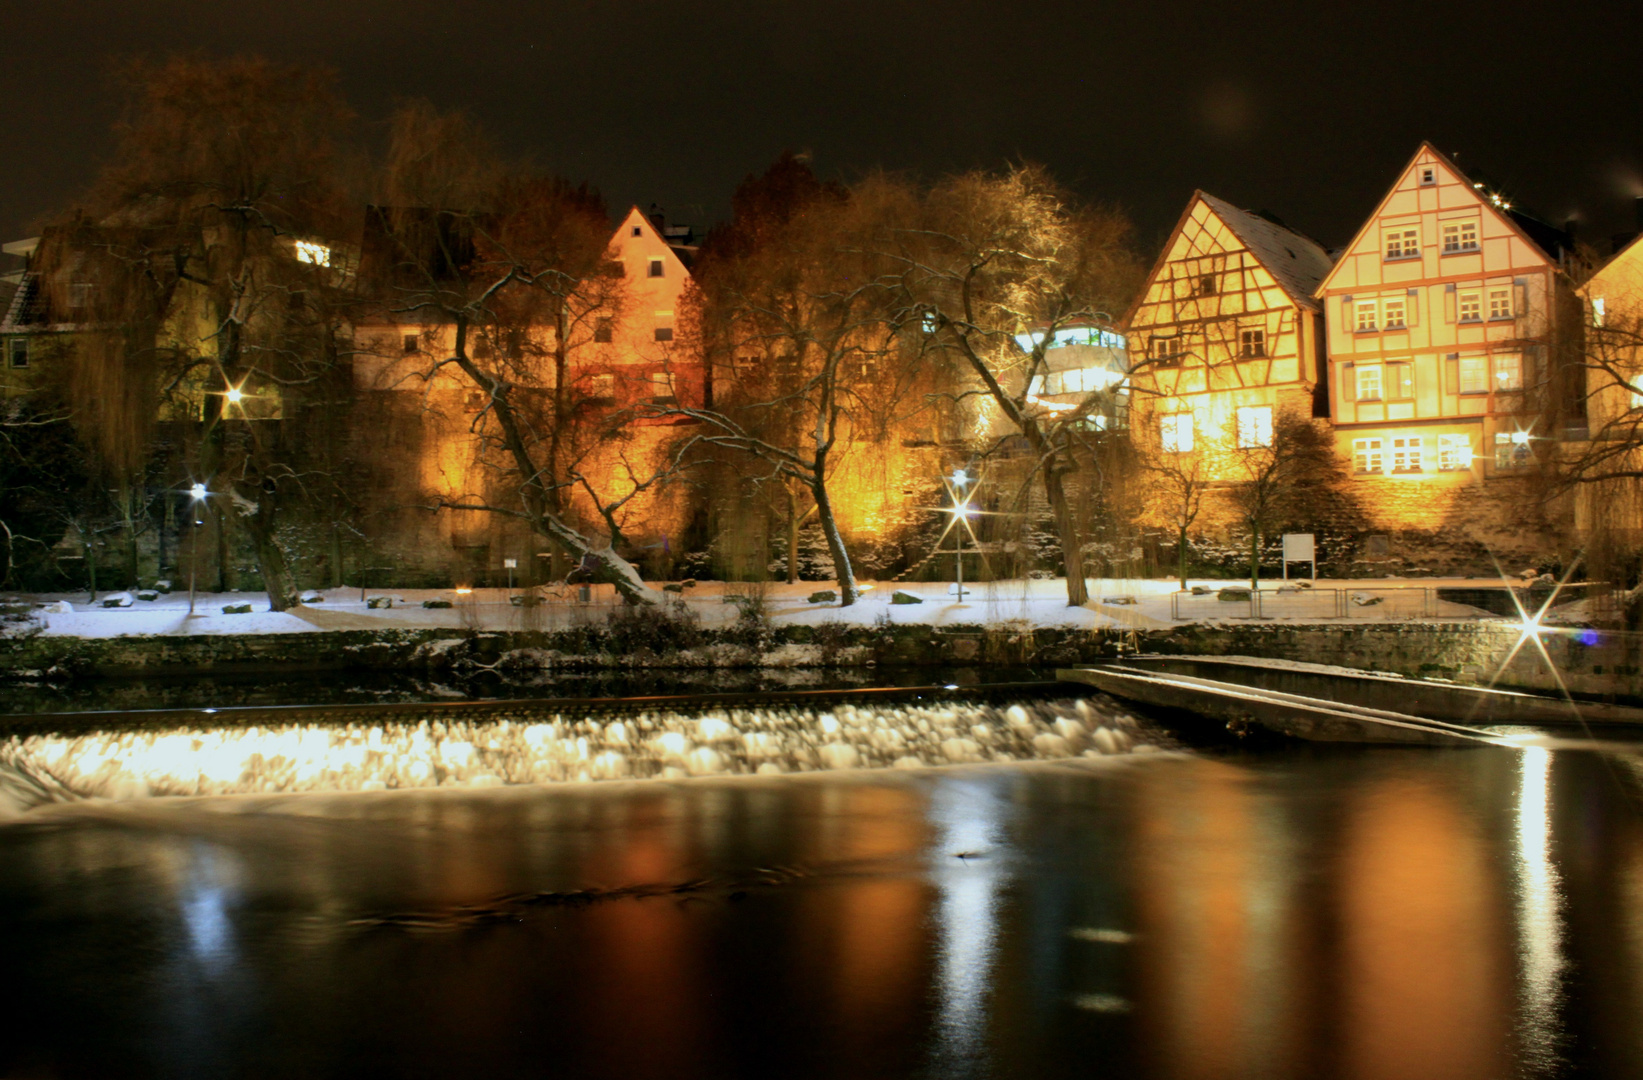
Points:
x=1379 y=915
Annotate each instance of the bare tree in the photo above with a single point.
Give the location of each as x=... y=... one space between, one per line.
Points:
x=796 y=313
x=1278 y=474
x=996 y=268
x=1177 y=494
x=505 y=272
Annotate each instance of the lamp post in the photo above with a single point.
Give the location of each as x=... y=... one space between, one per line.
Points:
x=961 y=511
x=197 y=495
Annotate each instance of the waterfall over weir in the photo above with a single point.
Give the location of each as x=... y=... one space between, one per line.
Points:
x=356 y=750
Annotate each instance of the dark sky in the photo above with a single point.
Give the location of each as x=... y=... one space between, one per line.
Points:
x=1305 y=109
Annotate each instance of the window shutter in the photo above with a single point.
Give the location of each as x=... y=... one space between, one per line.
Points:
x=1449 y=302
x=1520 y=297
x=1451 y=373
x=1412 y=308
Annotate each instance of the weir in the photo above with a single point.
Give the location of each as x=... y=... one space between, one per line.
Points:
x=504 y=743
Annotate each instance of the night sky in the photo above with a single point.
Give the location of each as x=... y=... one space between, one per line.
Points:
x=1306 y=110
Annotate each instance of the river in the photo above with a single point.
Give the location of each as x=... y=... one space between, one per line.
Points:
x=1280 y=912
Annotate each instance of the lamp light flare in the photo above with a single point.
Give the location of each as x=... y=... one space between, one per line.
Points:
x=198 y=492
x=234 y=394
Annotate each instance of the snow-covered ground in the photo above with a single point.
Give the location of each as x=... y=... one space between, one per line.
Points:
x=1114 y=604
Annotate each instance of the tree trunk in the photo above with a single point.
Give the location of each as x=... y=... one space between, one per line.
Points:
x=792 y=534
x=1072 y=554
x=1254 y=557
x=1181 y=555
x=848 y=591
x=258 y=519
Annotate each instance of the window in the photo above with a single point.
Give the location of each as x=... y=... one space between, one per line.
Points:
x=1429 y=175
x=661 y=386
x=1365 y=312
x=1167 y=349
x=1394 y=313
x=1470 y=307
x=602 y=387
x=1206 y=285
x=1254 y=427
x=1599 y=309
x=1369 y=382
x=1175 y=433
x=1474 y=374
x=410 y=343
x=1368 y=456
x=1637 y=395
x=1459 y=236
x=79 y=296
x=1252 y=343
x=1402 y=243
x=664 y=333
x=313 y=254
x=1454 y=453
x=1512 y=450
x=17 y=353
x=1400 y=382
x=614 y=268
x=1406 y=454
x=638 y=230
x=656 y=268
x=1508 y=371
x=602 y=332
x=1500 y=303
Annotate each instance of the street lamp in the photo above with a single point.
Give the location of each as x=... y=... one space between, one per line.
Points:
x=197 y=495
x=962 y=511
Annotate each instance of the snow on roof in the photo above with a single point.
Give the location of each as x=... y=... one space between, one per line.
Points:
x=1297 y=263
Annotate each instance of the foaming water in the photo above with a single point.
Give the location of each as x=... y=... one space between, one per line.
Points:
x=520 y=746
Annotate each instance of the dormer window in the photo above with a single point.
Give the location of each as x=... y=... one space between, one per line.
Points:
x=656 y=268
x=1429 y=175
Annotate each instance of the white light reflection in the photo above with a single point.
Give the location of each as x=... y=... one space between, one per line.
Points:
x=1540 y=926
x=966 y=818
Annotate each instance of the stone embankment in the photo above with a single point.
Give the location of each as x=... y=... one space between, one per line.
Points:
x=1602 y=664
x=468 y=746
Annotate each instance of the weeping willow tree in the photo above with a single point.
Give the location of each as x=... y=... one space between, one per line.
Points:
x=202 y=276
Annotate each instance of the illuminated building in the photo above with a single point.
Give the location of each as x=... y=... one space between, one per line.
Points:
x=1225 y=333
x=1443 y=319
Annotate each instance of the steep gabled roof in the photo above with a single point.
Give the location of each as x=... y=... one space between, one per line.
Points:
x=1296 y=262
x=1537 y=234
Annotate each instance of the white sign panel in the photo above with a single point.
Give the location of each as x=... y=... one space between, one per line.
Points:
x=1298 y=547
x=509 y=564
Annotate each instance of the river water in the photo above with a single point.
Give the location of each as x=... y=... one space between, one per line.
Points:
x=1273 y=913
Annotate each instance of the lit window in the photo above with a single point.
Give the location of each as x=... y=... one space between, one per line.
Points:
x=1454 y=453
x=1459 y=236
x=410 y=343
x=1167 y=349
x=1175 y=433
x=1394 y=310
x=1470 y=307
x=1512 y=450
x=602 y=387
x=1400 y=381
x=656 y=268
x=1599 y=309
x=1254 y=427
x=1252 y=343
x=661 y=386
x=1474 y=374
x=1508 y=371
x=313 y=254
x=1402 y=243
x=1500 y=303
x=1637 y=395
x=1406 y=454
x=1368 y=456
x=1366 y=311
x=1369 y=382
x=18 y=352
x=1082 y=380
x=664 y=333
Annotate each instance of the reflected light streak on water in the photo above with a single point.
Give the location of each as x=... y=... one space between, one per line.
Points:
x=966 y=817
x=1540 y=924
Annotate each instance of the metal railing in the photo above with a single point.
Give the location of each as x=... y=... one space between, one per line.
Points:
x=1296 y=602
